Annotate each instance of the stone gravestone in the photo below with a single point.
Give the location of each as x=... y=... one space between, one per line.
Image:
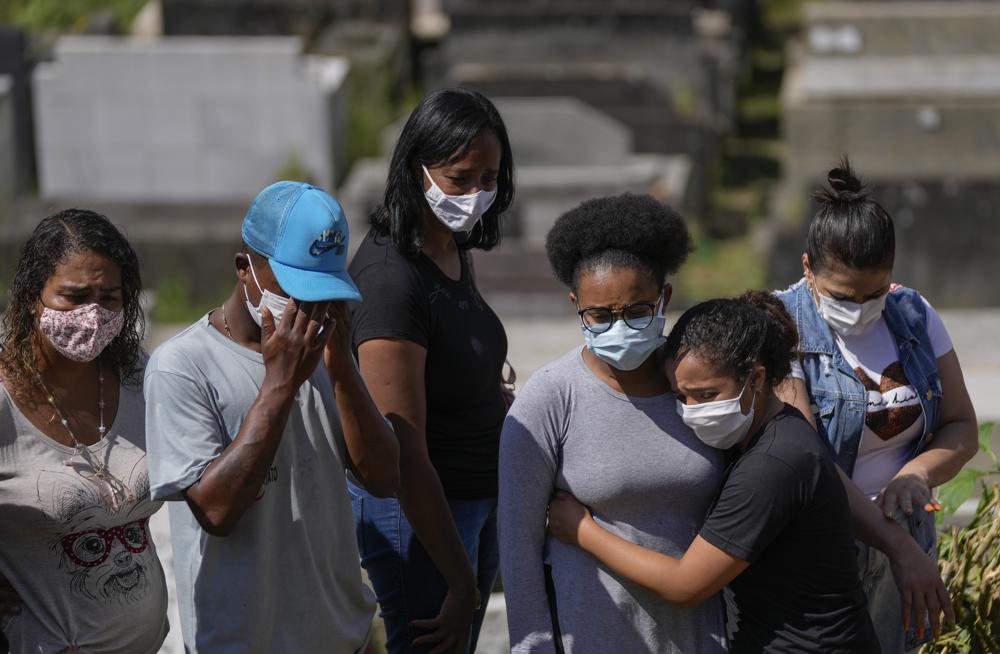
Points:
x=7 y=180
x=186 y=119
x=15 y=65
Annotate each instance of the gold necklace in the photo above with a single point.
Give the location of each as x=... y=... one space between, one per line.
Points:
x=225 y=323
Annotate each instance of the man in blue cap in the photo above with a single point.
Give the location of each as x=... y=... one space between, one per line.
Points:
x=252 y=436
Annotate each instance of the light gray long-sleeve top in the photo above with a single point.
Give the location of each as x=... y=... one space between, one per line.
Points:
x=645 y=476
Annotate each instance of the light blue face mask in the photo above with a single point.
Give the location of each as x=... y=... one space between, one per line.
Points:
x=624 y=348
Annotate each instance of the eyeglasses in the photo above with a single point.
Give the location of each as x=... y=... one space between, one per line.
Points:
x=91 y=548
x=637 y=315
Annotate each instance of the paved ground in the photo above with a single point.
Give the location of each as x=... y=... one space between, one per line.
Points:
x=533 y=342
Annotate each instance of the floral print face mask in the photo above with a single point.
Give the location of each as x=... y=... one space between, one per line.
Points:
x=83 y=333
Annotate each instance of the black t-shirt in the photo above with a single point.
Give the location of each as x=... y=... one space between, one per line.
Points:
x=412 y=299
x=784 y=509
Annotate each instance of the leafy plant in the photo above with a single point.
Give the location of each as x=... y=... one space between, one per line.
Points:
x=66 y=14
x=294 y=169
x=969 y=559
x=953 y=494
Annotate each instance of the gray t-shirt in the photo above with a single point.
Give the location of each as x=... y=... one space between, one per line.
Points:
x=288 y=579
x=646 y=477
x=82 y=560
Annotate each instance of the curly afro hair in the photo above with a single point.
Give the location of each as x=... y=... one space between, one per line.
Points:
x=621 y=231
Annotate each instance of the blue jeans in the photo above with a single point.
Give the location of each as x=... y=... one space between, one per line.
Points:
x=406 y=581
x=884 y=604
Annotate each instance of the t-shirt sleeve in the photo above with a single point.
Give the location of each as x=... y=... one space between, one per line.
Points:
x=183 y=434
x=392 y=305
x=936 y=331
x=529 y=455
x=760 y=498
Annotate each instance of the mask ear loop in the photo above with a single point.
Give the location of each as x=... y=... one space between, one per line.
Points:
x=431 y=180
x=256 y=283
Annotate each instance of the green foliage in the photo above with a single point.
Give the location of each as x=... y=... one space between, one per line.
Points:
x=969 y=559
x=174 y=302
x=953 y=494
x=372 y=108
x=719 y=269
x=294 y=169
x=66 y=14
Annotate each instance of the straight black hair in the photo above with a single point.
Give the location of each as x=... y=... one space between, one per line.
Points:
x=440 y=130
x=850 y=230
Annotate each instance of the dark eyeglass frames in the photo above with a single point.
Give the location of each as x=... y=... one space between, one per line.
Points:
x=637 y=315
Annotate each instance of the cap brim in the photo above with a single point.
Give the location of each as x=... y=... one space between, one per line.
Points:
x=312 y=286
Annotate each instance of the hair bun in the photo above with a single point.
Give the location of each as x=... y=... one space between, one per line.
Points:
x=844 y=181
x=845 y=185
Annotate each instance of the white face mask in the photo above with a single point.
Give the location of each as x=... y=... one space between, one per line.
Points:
x=720 y=424
x=274 y=302
x=850 y=318
x=459 y=213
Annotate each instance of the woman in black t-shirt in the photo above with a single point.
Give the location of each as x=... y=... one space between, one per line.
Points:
x=779 y=532
x=431 y=353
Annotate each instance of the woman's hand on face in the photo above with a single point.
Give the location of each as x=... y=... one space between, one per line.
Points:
x=567 y=517
x=907 y=492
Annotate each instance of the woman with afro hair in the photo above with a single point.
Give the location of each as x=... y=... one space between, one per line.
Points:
x=601 y=423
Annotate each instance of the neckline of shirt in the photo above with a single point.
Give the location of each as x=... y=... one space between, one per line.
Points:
x=228 y=342
x=631 y=399
x=110 y=436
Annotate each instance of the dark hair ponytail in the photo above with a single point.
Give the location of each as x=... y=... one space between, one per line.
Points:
x=850 y=229
x=733 y=334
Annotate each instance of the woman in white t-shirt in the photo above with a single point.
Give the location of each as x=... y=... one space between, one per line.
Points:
x=878 y=375
x=75 y=545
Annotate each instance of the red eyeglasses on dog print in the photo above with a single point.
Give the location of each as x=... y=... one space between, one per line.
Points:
x=92 y=547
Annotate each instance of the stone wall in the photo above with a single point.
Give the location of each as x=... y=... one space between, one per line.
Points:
x=911 y=92
x=272 y=17
x=186 y=119
x=7 y=173
x=952 y=27
x=946 y=240
x=15 y=64
x=665 y=69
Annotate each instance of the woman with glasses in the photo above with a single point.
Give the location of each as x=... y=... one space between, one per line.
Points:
x=75 y=545
x=878 y=376
x=601 y=423
x=779 y=532
x=431 y=352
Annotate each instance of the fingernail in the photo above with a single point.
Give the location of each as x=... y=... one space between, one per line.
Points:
x=888 y=514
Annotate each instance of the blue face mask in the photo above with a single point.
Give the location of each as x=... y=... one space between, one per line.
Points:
x=624 y=348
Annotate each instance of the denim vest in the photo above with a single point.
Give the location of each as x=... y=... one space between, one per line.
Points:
x=837 y=397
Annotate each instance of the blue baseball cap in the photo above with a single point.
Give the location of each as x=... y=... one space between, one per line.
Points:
x=303 y=233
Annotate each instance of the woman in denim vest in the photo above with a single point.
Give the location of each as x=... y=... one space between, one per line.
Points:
x=879 y=376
